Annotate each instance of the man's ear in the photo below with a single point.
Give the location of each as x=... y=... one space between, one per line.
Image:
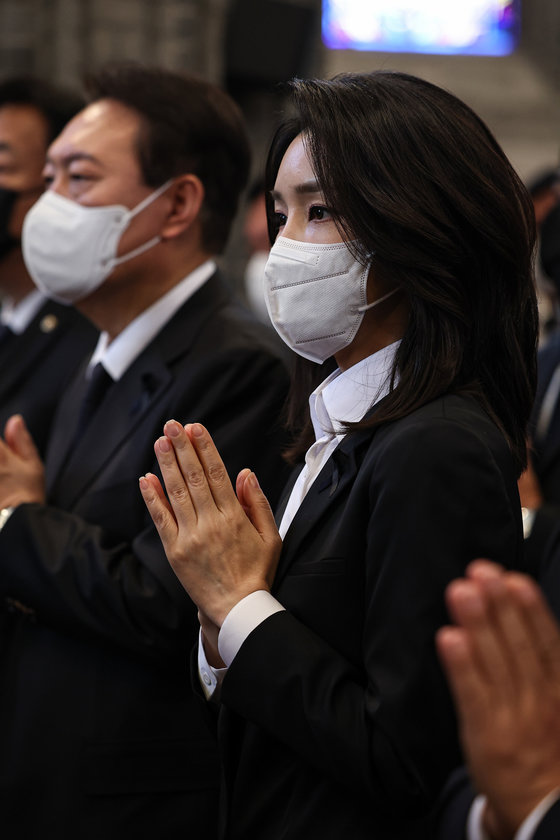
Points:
x=187 y=198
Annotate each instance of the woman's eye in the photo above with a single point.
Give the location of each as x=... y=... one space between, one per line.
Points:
x=279 y=220
x=319 y=213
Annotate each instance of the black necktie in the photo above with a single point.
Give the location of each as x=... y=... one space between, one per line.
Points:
x=5 y=333
x=98 y=384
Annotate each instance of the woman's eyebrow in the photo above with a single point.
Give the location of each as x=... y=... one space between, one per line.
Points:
x=304 y=188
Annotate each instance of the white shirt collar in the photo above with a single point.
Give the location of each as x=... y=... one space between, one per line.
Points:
x=346 y=396
x=118 y=356
x=18 y=316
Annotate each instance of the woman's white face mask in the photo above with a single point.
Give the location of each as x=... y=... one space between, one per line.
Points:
x=316 y=296
x=70 y=249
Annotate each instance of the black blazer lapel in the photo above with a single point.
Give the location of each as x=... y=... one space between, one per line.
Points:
x=333 y=480
x=21 y=354
x=64 y=426
x=286 y=493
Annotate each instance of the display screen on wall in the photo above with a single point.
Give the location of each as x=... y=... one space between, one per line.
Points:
x=456 y=27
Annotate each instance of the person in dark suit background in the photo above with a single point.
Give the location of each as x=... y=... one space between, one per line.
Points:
x=539 y=486
x=41 y=341
x=400 y=270
x=502 y=658
x=101 y=735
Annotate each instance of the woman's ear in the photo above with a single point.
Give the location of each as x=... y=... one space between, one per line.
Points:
x=187 y=198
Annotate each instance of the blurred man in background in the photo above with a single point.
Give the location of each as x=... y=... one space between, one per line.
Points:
x=41 y=342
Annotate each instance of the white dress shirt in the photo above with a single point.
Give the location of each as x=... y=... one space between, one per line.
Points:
x=526 y=830
x=118 y=356
x=18 y=316
x=345 y=396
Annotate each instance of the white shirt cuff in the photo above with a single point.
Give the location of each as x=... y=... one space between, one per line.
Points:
x=526 y=830
x=242 y=620
x=210 y=678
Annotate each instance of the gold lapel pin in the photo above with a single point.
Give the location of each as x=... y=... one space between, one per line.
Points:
x=48 y=323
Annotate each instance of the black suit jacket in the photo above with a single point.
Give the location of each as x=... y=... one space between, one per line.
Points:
x=101 y=735
x=456 y=802
x=335 y=717
x=545 y=458
x=36 y=366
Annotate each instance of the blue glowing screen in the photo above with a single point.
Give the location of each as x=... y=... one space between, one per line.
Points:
x=471 y=27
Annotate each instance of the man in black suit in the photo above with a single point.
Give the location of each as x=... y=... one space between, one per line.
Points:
x=41 y=342
x=101 y=735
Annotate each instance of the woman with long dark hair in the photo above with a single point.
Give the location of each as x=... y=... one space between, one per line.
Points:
x=401 y=274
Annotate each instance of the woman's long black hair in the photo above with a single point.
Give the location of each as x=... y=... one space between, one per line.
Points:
x=415 y=177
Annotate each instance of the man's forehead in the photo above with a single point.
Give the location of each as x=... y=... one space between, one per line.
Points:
x=102 y=128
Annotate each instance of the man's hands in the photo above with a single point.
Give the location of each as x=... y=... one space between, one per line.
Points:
x=503 y=665
x=22 y=475
x=221 y=547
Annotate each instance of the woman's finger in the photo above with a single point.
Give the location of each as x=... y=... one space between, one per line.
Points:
x=197 y=474
x=216 y=476
x=240 y=488
x=175 y=482
x=159 y=509
x=258 y=509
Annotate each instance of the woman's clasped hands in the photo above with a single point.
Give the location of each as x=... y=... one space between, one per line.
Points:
x=221 y=544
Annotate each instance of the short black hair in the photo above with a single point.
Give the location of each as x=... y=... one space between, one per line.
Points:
x=56 y=103
x=414 y=176
x=188 y=126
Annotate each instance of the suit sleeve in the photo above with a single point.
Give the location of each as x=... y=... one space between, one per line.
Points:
x=83 y=573
x=377 y=716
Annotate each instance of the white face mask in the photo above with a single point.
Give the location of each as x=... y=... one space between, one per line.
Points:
x=316 y=296
x=70 y=249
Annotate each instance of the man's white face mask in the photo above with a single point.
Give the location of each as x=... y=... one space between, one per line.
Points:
x=316 y=296
x=70 y=249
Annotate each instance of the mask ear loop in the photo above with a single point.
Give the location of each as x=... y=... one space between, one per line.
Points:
x=138 y=209
x=376 y=302
x=149 y=198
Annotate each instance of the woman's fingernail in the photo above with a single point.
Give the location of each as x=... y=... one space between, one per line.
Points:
x=172 y=428
x=163 y=444
x=197 y=430
x=254 y=481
